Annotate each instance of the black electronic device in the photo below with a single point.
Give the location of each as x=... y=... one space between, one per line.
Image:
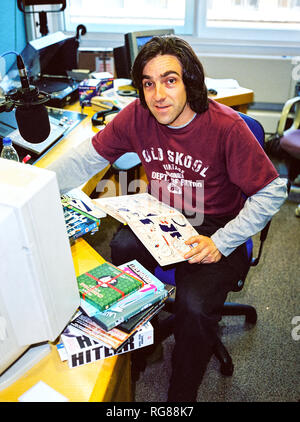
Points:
x=98 y=118
x=48 y=61
x=121 y=62
x=61 y=123
x=30 y=112
x=53 y=56
x=62 y=90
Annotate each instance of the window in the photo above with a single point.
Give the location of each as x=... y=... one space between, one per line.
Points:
x=254 y=23
x=129 y=15
x=255 y=14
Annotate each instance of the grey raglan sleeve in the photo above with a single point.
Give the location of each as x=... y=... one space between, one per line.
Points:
x=77 y=166
x=253 y=217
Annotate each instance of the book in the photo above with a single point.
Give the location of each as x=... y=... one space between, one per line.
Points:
x=114 y=316
x=78 y=225
x=106 y=284
x=82 y=216
x=80 y=349
x=137 y=319
x=162 y=229
x=152 y=292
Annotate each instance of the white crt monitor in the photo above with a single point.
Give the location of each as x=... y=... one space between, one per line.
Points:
x=38 y=288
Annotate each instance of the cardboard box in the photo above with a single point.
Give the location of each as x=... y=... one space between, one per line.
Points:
x=90 y=88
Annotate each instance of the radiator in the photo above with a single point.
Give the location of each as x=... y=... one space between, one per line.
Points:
x=270 y=77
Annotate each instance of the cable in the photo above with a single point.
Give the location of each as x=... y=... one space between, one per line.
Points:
x=9 y=52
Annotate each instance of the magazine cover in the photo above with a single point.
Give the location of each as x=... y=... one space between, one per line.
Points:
x=162 y=229
x=114 y=338
x=77 y=200
x=79 y=349
x=78 y=224
x=106 y=284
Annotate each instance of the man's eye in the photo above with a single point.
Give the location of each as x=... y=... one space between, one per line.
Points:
x=147 y=84
x=171 y=81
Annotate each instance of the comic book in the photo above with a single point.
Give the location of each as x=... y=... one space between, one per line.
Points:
x=106 y=284
x=162 y=229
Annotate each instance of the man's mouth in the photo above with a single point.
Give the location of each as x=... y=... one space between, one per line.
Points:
x=161 y=107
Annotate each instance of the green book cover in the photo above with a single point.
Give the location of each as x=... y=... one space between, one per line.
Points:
x=106 y=284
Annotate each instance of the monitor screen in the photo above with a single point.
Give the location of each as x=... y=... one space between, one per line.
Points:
x=135 y=40
x=142 y=40
x=124 y=56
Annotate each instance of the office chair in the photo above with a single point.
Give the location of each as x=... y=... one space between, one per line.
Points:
x=232 y=309
x=285 y=142
x=128 y=165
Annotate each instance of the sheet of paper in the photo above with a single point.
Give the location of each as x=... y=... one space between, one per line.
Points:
x=212 y=83
x=42 y=392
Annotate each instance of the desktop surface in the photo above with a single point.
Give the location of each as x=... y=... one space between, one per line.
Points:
x=104 y=380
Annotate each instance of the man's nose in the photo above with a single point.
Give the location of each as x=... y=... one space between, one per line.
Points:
x=160 y=93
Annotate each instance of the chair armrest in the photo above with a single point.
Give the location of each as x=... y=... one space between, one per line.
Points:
x=263 y=236
x=284 y=114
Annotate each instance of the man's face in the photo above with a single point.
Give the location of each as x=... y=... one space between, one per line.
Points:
x=164 y=91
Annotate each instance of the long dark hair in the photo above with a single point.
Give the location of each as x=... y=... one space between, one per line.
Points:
x=192 y=69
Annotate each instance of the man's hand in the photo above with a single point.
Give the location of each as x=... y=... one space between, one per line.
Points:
x=205 y=252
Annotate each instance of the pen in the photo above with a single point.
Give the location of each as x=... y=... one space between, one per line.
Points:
x=27 y=158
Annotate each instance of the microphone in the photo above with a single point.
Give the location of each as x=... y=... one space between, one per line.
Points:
x=31 y=115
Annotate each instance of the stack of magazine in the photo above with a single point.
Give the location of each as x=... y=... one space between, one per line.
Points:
x=116 y=306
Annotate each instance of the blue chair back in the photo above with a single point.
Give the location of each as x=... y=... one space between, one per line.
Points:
x=168 y=276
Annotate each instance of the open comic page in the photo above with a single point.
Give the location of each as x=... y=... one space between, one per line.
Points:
x=162 y=229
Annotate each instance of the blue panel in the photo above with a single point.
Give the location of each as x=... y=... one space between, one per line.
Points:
x=12 y=30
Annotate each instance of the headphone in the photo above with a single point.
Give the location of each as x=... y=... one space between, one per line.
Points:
x=98 y=118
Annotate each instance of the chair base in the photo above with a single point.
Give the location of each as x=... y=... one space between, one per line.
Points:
x=234 y=309
x=220 y=351
x=165 y=328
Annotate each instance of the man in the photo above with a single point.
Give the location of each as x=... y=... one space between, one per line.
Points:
x=187 y=143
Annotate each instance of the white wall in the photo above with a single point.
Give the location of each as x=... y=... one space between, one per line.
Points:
x=270 y=77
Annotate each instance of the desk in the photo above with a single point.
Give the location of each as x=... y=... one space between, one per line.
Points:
x=237 y=98
x=107 y=380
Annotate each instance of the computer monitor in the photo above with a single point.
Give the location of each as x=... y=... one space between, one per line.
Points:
x=38 y=287
x=124 y=56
